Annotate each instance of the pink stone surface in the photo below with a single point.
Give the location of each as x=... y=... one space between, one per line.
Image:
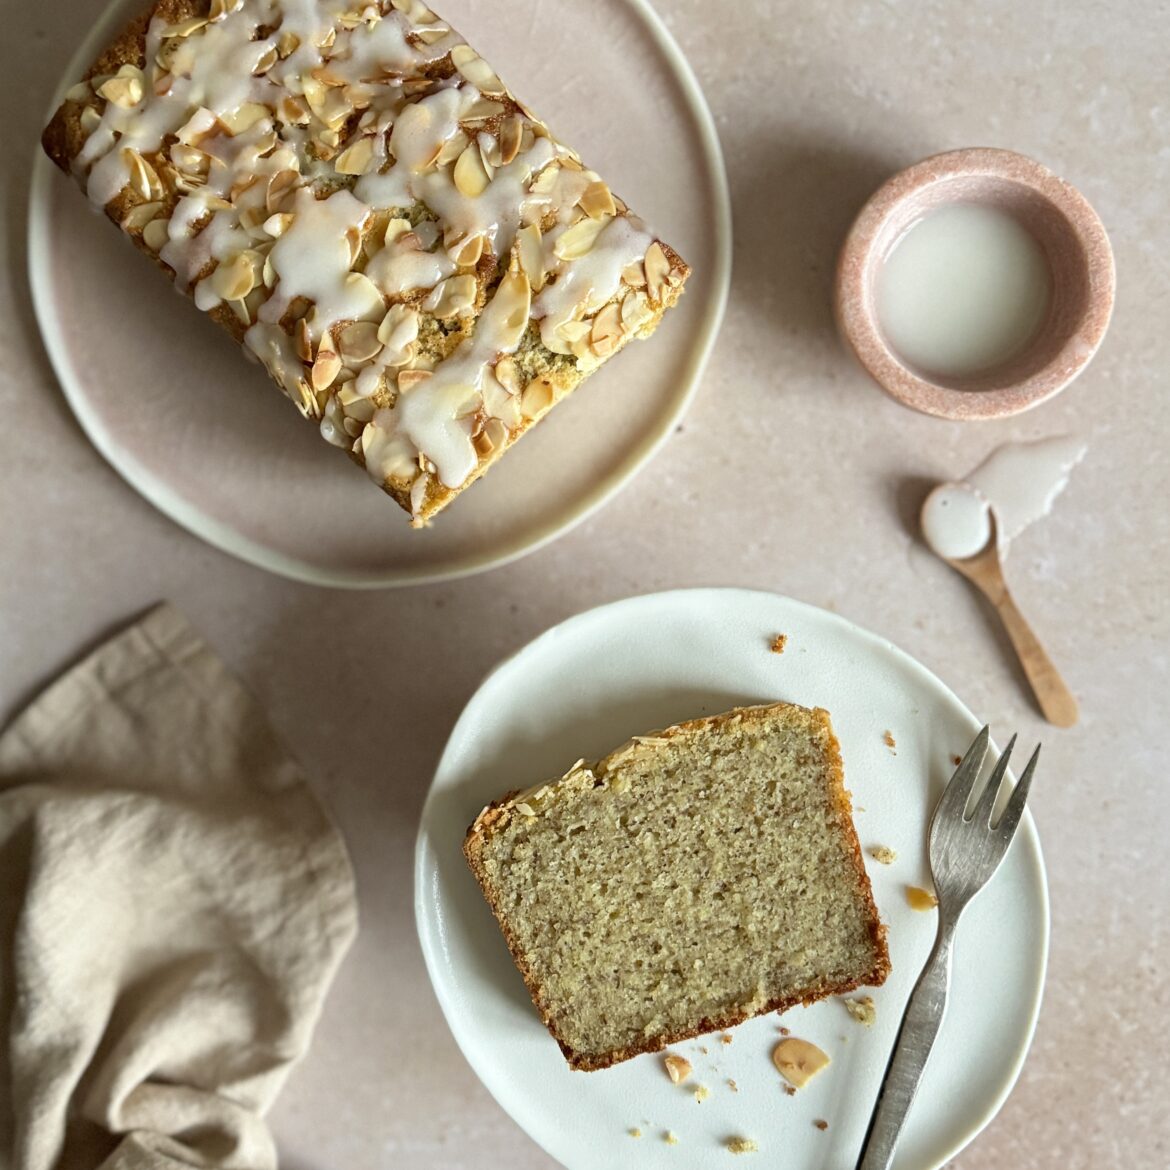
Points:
x=791 y=473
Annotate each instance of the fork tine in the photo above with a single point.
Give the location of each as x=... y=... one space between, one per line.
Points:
x=958 y=790
x=986 y=804
x=1015 y=809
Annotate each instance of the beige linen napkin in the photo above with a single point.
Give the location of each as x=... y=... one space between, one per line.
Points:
x=174 y=903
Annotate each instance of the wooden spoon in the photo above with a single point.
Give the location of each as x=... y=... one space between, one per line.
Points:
x=985 y=571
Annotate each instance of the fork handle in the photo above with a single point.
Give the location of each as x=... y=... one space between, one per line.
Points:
x=920 y=1025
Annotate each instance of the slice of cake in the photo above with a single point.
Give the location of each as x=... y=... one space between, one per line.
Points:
x=691 y=879
x=351 y=191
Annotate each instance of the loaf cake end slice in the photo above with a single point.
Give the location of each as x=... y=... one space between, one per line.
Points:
x=691 y=879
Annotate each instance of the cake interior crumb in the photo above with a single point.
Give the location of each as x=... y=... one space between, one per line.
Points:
x=635 y=1132
x=821 y=1123
x=889 y=741
x=957 y=760
x=883 y=854
x=670 y=1137
x=702 y=1093
x=862 y=1009
x=778 y=643
x=732 y=1085
x=742 y=1145
x=726 y=1038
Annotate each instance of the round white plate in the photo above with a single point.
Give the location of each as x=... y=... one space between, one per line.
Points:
x=169 y=400
x=583 y=688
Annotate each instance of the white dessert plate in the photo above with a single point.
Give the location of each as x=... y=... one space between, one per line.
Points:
x=583 y=688
x=170 y=401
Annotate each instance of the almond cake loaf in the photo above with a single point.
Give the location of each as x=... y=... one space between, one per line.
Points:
x=691 y=879
x=354 y=194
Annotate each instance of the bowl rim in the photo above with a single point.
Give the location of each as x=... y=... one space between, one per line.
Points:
x=856 y=316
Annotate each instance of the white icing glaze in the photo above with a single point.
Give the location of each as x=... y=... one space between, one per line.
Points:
x=1019 y=481
x=275 y=153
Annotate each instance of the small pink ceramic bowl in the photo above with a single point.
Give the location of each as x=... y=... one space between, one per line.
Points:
x=1074 y=243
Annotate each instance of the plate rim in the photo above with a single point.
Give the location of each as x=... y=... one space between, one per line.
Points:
x=431 y=942
x=157 y=492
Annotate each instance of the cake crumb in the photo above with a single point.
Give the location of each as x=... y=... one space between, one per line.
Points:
x=670 y=1137
x=635 y=1132
x=778 y=643
x=726 y=1038
x=957 y=760
x=883 y=854
x=862 y=1010
x=821 y=1124
x=889 y=741
x=920 y=899
x=798 y=1061
x=732 y=1085
x=742 y=1145
x=702 y=1093
x=703 y=1049
x=784 y=1031
x=678 y=1068
x=789 y=1091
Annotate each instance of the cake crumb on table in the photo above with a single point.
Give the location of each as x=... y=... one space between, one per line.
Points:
x=670 y=1137
x=883 y=854
x=862 y=1010
x=732 y=1085
x=678 y=1068
x=789 y=1091
x=702 y=1093
x=778 y=643
x=889 y=741
x=920 y=899
x=635 y=1132
x=821 y=1123
x=784 y=1031
x=742 y=1145
x=956 y=760
x=726 y=1038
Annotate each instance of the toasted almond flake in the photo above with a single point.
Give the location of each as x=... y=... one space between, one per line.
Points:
x=657 y=270
x=530 y=251
x=468 y=253
x=636 y=311
x=452 y=296
x=798 y=1061
x=235 y=278
x=678 y=1068
x=476 y=70
x=395 y=228
x=221 y=8
x=511 y=135
x=353 y=240
x=244 y=117
x=325 y=369
x=355 y=159
x=140 y=215
x=546 y=180
x=124 y=92
x=481 y=110
x=489 y=152
x=537 y=397
x=186 y=27
x=575 y=331
x=276 y=225
x=358 y=284
x=287 y=44
x=435 y=32
x=295 y=111
x=508 y=375
x=79 y=92
x=239 y=306
x=144 y=180
x=471 y=178
x=606 y=333
x=280 y=189
x=920 y=899
x=268 y=275
x=359 y=342
x=90 y=119
x=409 y=378
x=578 y=240
x=597 y=202
x=156 y=233
x=303 y=341
x=267 y=60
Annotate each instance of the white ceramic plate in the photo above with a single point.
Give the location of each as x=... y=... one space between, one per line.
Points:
x=168 y=399
x=584 y=687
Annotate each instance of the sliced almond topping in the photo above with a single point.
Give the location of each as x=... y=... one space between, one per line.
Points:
x=578 y=240
x=798 y=1061
x=508 y=375
x=471 y=177
x=241 y=310
x=325 y=368
x=546 y=180
x=493 y=436
x=79 y=92
x=280 y=188
x=144 y=180
x=155 y=234
x=678 y=1068
x=394 y=229
x=597 y=201
x=511 y=135
x=355 y=159
x=234 y=279
x=287 y=44
x=302 y=341
x=90 y=119
x=140 y=215
x=537 y=397
x=360 y=409
x=436 y=32
x=634 y=274
x=122 y=91
x=531 y=255
x=276 y=225
x=636 y=311
x=186 y=27
x=481 y=110
x=450 y=150
x=267 y=60
x=243 y=118
x=467 y=254
x=606 y=334
x=452 y=296
x=295 y=111
x=657 y=271
x=221 y=8
x=358 y=284
x=409 y=378
x=359 y=342
x=476 y=70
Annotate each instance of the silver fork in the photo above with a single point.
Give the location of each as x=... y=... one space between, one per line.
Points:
x=964 y=854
